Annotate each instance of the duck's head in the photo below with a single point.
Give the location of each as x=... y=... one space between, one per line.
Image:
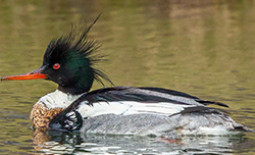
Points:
x=68 y=62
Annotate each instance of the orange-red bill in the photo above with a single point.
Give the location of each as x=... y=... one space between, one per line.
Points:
x=28 y=76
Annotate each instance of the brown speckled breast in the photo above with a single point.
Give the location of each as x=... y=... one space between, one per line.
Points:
x=41 y=116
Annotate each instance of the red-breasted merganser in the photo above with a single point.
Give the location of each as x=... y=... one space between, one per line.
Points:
x=114 y=110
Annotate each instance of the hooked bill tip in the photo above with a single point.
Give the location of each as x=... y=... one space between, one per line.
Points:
x=3 y=78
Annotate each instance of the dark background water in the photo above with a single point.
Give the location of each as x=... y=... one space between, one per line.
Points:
x=204 y=48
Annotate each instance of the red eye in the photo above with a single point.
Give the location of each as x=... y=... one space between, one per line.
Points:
x=56 y=66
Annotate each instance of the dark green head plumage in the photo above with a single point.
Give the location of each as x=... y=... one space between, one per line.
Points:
x=69 y=60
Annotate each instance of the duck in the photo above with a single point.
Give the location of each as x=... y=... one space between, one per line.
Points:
x=115 y=110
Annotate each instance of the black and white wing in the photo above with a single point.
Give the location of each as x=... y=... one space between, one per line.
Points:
x=124 y=101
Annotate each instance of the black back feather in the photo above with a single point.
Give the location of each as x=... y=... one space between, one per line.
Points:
x=137 y=94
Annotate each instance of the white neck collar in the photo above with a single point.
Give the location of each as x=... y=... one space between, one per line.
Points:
x=58 y=99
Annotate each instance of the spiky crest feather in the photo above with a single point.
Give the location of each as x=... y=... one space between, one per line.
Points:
x=82 y=46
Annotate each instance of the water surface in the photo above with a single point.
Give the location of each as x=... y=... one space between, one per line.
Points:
x=204 y=48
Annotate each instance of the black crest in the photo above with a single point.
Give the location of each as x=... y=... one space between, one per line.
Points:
x=79 y=46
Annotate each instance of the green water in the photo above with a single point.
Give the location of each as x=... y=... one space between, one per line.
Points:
x=204 y=48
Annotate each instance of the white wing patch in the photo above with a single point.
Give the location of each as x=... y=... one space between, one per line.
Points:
x=169 y=96
x=129 y=108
